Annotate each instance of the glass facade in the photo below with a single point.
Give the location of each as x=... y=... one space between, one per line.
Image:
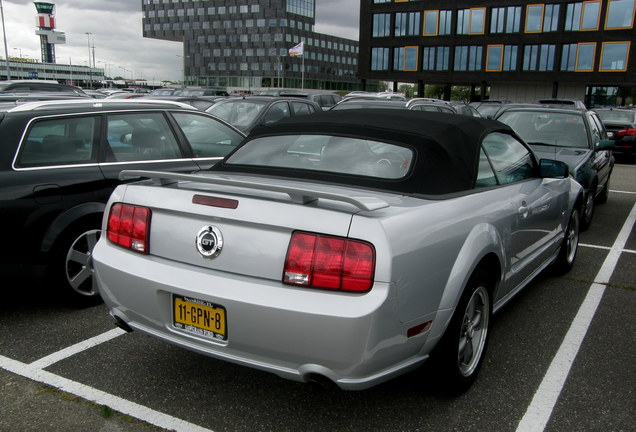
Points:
x=245 y=43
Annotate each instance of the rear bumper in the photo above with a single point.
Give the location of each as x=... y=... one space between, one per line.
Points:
x=353 y=340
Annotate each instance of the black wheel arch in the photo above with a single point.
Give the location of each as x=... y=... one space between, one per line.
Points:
x=84 y=213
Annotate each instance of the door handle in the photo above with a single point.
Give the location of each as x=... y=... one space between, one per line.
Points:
x=524 y=211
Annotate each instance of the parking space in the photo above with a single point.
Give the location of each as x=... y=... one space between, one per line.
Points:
x=79 y=351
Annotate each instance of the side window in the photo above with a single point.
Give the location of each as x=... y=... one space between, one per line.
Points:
x=208 y=137
x=596 y=129
x=485 y=175
x=140 y=136
x=510 y=159
x=277 y=111
x=301 y=108
x=59 y=141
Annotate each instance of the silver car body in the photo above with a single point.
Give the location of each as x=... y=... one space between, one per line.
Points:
x=426 y=250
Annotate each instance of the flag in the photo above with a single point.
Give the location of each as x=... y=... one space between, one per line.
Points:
x=297 y=50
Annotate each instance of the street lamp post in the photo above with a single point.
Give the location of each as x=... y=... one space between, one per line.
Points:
x=90 y=81
x=183 y=82
x=21 y=68
x=4 y=33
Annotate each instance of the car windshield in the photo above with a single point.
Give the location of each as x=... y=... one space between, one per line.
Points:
x=240 y=113
x=334 y=154
x=616 y=116
x=548 y=128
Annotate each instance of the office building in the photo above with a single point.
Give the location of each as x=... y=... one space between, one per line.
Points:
x=245 y=44
x=514 y=50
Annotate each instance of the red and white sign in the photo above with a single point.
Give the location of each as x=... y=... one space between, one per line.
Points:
x=45 y=21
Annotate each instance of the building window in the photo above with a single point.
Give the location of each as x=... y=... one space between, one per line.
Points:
x=435 y=58
x=379 y=59
x=405 y=58
x=407 y=24
x=583 y=16
x=381 y=25
x=620 y=14
x=468 y=58
x=614 y=56
x=301 y=7
x=538 y=58
x=430 y=23
x=505 y=19
x=534 y=18
x=471 y=21
x=578 y=57
x=501 y=58
x=550 y=18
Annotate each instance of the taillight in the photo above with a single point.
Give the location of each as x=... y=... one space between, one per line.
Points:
x=334 y=263
x=128 y=226
x=626 y=132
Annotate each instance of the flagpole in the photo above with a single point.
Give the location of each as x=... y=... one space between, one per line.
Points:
x=302 y=79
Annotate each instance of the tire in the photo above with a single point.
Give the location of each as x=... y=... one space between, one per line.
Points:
x=71 y=266
x=587 y=211
x=569 y=245
x=460 y=353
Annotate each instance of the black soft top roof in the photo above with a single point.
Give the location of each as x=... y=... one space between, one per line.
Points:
x=446 y=145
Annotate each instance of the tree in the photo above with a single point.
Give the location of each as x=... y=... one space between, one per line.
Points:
x=434 y=91
x=407 y=89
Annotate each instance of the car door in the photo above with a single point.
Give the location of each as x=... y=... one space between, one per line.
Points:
x=531 y=227
x=602 y=157
x=141 y=140
x=54 y=170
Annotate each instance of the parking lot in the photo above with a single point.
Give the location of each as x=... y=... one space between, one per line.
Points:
x=560 y=358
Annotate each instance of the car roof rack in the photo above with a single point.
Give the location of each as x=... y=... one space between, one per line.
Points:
x=96 y=103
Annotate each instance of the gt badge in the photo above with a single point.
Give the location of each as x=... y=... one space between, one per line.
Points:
x=209 y=242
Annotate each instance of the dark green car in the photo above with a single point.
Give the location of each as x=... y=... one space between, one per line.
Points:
x=574 y=136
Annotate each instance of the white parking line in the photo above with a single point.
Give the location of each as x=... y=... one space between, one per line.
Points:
x=77 y=348
x=544 y=400
x=99 y=397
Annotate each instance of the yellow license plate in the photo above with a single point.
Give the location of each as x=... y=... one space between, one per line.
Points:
x=200 y=317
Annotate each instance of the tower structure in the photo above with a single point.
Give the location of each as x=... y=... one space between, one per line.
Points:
x=45 y=22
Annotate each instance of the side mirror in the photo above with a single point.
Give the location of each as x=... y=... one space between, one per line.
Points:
x=553 y=169
x=605 y=145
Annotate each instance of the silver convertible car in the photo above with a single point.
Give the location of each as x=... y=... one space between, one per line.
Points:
x=347 y=245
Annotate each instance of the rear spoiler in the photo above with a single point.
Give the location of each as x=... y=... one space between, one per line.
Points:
x=298 y=195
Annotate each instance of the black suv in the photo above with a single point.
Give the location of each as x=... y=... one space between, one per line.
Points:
x=60 y=161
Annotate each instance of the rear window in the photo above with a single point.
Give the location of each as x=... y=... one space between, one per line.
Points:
x=333 y=154
x=616 y=116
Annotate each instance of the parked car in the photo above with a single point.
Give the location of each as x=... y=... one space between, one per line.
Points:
x=60 y=161
x=247 y=112
x=10 y=86
x=162 y=92
x=574 y=136
x=191 y=92
x=563 y=103
x=325 y=100
x=346 y=245
x=367 y=103
x=199 y=102
x=413 y=104
x=488 y=108
x=621 y=128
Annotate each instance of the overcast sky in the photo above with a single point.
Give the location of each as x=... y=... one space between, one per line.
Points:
x=117 y=34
